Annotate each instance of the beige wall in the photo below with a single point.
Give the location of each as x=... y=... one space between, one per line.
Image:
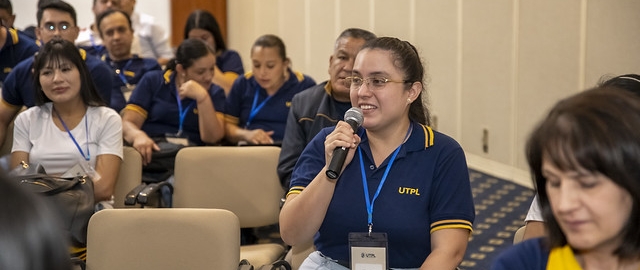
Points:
x=493 y=64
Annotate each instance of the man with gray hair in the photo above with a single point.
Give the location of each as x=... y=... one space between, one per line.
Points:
x=322 y=105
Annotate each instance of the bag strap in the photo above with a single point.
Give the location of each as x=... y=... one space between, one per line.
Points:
x=68 y=184
x=65 y=184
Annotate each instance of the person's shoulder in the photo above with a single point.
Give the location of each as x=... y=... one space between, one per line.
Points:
x=229 y=54
x=143 y=18
x=93 y=61
x=24 y=39
x=24 y=65
x=36 y=112
x=313 y=93
x=158 y=73
x=150 y=63
x=440 y=138
x=103 y=111
x=527 y=255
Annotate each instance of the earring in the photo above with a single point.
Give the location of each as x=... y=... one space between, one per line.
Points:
x=409 y=101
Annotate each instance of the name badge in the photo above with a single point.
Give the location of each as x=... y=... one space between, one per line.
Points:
x=177 y=139
x=368 y=251
x=127 y=90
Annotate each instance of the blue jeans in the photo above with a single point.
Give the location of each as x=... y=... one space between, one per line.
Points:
x=317 y=261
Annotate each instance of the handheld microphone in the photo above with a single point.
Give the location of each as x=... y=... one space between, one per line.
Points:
x=354 y=118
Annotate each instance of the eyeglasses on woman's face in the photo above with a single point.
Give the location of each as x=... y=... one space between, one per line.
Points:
x=374 y=83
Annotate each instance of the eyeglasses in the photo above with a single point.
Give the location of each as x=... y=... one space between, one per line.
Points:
x=374 y=83
x=62 y=27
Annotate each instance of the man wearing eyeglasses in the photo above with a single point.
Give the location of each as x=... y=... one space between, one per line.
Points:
x=14 y=45
x=55 y=19
x=322 y=105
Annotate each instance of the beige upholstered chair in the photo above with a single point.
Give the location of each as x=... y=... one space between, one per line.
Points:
x=130 y=175
x=240 y=179
x=163 y=238
x=519 y=235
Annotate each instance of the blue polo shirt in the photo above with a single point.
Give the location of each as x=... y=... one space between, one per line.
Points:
x=273 y=115
x=532 y=254
x=155 y=99
x=230 y=61
x=19 y=90
x=17 y=47
x=134 y=69
x=427 y=189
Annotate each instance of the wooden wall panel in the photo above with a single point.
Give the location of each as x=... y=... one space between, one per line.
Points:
x=180 y=10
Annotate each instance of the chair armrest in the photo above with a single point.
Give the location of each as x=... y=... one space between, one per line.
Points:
x=151 y=189
x=132 y=196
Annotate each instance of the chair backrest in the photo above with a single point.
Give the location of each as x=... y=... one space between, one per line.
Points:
x=519 y=235
x=129 y=177
x=243 y=180
x=163 y=238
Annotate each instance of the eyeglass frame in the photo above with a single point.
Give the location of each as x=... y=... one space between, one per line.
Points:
x=62 y=27
x=349 y=82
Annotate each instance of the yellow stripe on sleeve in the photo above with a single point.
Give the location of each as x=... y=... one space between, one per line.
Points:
x=451 y=224
x=138 y=109
x=229 y=119
x=295 y=190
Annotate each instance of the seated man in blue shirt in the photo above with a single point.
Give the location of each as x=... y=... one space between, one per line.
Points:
x=127 y=68
x=55 y=19
x=14 y=47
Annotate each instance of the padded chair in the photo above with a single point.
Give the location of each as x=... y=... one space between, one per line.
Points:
x=519 y=235
x=129 y=177
x=242 y=180
x=163 y=238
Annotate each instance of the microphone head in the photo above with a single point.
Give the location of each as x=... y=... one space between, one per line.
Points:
x=354 y=114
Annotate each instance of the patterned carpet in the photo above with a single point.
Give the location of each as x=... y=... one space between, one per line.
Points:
x=500 y=210
x=501 y=207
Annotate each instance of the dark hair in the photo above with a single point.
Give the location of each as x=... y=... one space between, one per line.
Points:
x=596 y=130
x=406 y=58
x=271 y=41
x=44 y=2
x=108 y=12
x=51 y=54
x=188 y=52
x=6 y=5
x=356 y=33
x=629 y=82
x=57 y=5
x=30 y=232
x=202 y=19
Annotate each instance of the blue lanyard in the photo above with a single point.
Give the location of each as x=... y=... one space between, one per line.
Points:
x=182 y=113
x=86 y=126
x=254 y=109
x=120 y=72
x=370 y=202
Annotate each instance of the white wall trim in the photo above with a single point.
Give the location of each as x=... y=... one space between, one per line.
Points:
x=510 y=173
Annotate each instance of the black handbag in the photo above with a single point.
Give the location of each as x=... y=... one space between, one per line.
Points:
x=164 y=159
x=72 y=198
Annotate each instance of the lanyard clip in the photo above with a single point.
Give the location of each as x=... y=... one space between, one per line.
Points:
x=370 y=228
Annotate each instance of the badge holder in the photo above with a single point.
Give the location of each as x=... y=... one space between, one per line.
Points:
x=80 y=169
x=127 y=90
x=368 y=251
x=177 y=138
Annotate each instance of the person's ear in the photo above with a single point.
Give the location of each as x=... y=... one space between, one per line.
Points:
x=180 y=70
x=414 y=91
